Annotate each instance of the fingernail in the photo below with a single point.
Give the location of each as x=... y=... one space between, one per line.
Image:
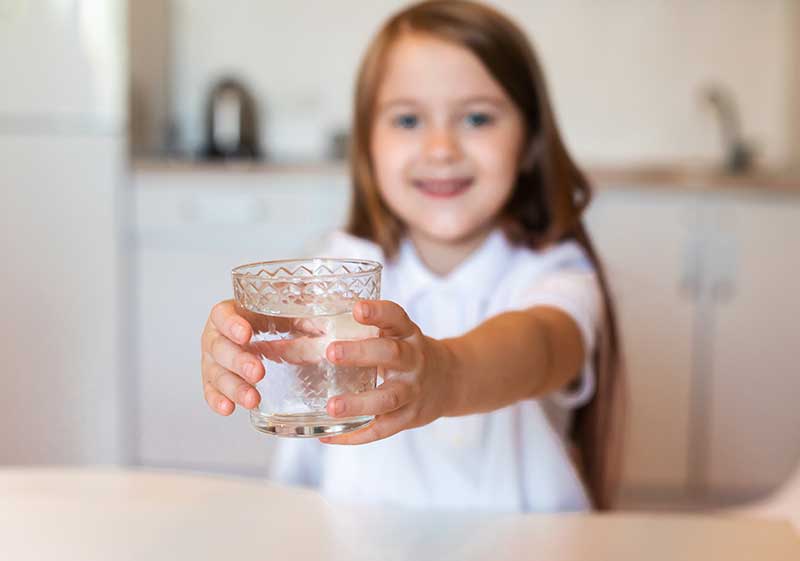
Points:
x=249 y=371
x=364 y=310
x=338 y=407
x=239 y=331
x=338 y=352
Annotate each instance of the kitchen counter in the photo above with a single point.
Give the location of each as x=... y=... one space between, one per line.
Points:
x=101 y=514
x=178 y=166
x=694 y=178
x=678 y=176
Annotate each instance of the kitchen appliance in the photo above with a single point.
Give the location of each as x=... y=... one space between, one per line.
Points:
x=231 y=122
x=62 y=146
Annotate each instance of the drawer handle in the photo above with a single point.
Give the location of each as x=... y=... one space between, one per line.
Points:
x=224 y=212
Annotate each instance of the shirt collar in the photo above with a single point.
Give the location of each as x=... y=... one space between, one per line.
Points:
x=480 y=271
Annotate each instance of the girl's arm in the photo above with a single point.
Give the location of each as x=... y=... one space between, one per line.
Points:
x=513 y=356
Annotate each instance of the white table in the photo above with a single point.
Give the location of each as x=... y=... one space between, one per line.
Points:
x=114 y=514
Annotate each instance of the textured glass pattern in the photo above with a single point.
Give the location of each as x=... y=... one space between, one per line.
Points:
x=306 y=287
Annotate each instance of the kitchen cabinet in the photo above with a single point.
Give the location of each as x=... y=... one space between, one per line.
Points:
x=191 y=230
x=703 y=283
x=754 y=379
x=646 y=240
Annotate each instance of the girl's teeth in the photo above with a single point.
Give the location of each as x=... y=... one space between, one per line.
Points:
x=443 y=186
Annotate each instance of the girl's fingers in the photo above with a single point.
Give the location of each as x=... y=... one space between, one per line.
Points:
x=382 y=427
x=388 y=316
x=388 y=397
x=392 y=354
x=218 y=402
x=300 y=350
x=231 y=386
x=309 y=326
x=229 y=323
x=229 y=355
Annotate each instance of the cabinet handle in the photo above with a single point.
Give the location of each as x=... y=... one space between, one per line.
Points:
x=221 y=211
x=723 y=291
x=689 y=284
x=723 y=286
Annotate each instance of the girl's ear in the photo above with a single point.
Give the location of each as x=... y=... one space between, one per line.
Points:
x=531 y=154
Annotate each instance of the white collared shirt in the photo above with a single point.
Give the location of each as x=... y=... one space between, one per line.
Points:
x=512 y=459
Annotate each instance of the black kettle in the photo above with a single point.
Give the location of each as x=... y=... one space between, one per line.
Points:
x=231 y=123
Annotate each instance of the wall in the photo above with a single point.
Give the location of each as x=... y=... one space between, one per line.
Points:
x=793 y=71
x=626 y=74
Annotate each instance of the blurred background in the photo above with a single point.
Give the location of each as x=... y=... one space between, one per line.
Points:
x=148 y=147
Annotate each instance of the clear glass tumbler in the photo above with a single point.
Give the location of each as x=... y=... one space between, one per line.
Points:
x=296 y=308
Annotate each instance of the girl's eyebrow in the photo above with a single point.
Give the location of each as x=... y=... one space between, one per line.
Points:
x=405 y=101
x=383 y=106
x=491 y=100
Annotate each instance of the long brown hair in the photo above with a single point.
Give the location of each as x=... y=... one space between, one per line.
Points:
x=545 y=206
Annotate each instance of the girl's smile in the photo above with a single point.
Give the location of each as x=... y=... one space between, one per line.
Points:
x=443 y=188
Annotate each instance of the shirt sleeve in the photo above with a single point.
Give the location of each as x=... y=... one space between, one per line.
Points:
x=575 y=290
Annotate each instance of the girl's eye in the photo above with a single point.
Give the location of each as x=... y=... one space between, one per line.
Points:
x=478 y=119
x=406 y=121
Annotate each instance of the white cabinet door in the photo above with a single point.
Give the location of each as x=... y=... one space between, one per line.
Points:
x=754 y=412
x=192 y=229
x=645 y=238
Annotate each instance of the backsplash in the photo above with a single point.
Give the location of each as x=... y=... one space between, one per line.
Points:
x=626 y=76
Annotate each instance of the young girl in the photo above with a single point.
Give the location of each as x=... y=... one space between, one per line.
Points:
x=498 y=348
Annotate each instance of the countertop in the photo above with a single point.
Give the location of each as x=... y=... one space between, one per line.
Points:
x=678 y=175
x=152 y=165
x=694 y=178
x=122 y=514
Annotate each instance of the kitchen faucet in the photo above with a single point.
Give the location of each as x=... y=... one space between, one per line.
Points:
x=739 y=154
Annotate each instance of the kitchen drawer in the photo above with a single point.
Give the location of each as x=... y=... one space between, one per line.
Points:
x=207 y=212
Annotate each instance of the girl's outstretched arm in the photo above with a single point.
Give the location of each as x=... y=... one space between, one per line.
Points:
x=513 y=356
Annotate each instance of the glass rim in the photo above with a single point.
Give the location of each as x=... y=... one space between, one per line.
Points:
x=238 y=272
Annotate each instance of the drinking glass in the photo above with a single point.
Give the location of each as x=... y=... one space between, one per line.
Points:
x=296 y=308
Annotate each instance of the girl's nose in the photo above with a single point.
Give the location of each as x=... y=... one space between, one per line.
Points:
x=441 y=145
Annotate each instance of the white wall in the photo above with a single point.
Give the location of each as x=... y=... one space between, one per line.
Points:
x=625 y=74
x=793 y=70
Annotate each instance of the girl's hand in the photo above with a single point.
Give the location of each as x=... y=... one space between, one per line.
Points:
x=413 y=366
x=228 y=371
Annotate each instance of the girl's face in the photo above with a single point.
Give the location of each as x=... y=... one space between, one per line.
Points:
x=446 y=140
